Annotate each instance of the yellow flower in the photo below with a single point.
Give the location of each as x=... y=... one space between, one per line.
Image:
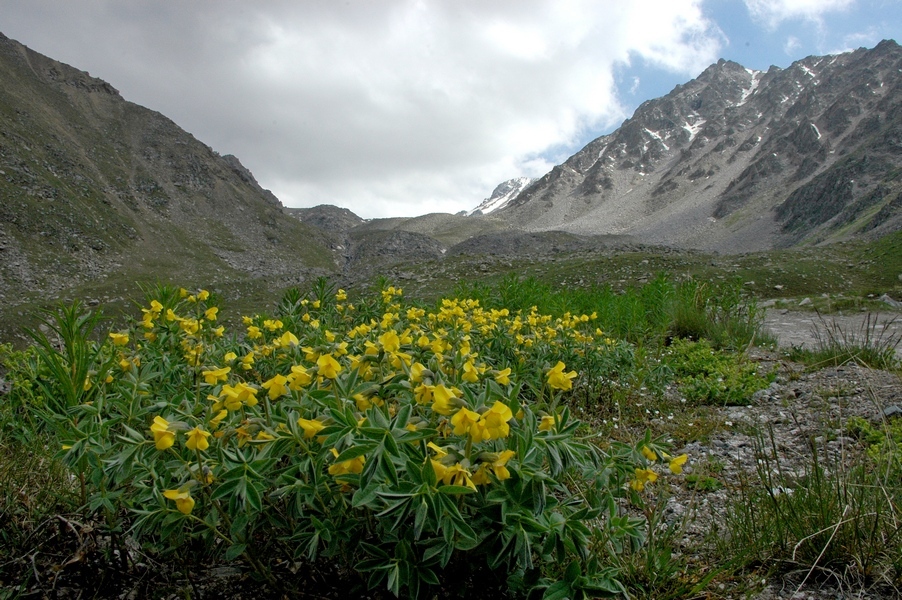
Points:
x=229 y=356
x=559 y=380
x=190 y=326
x=481 y=476
x=216 y=420
x=503 y=377
x=119 y=339
x=197 y=439
x=299 y=377
x=495 y=421
x=547 y=423
x=311 y=427
x=464 y=421
x=444 y=399
x=253 y=332
x=458 y=475
x=215 y=376
x=183 y=500
x=643 y=477
x=234 y=395
x=423 y=393
x=416 y=372
x=276 y=386
x=470 y=374
x=341 y=296
x=328 y=366
x=676 y=463
x=163 y=437
x=273 y=324
x=390 y=341
x=210 y=313
x=203 y=295
x=499 y=465
x=247 y=362
x=288 y=339
x=649 y=453
x=353 y=465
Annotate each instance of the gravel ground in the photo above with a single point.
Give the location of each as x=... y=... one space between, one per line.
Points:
x=798 y=408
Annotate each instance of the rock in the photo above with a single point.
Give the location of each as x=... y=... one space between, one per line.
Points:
x=885 y=298
x=892 y=411
x=805 y=302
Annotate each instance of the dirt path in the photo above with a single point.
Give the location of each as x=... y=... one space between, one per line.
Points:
x=802 y=328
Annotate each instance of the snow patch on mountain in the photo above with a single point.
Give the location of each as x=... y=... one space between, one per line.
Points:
x=502 y=195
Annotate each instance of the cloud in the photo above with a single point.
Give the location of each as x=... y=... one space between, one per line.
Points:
x=774 y=12
x=388 y=108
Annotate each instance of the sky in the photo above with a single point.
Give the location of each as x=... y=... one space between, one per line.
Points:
x=406 y=107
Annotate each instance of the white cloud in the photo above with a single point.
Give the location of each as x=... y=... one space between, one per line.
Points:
x=791 y=45
x=774 y=12
x=388 y=108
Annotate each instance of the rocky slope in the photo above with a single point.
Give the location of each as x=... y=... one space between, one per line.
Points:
x=740 y=160
x=94 y=187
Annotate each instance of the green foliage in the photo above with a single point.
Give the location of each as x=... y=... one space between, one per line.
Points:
x=69 y=356
x=709 y=376
x=414 y=448
x=659 y=310
x=884 y=444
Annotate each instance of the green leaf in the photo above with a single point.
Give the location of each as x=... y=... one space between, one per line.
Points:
x=452 y=490
x=573 y=572
x=394 y=580
x=420 y=518
x=234 y=551
x=354 y=452
x=559 y=590
x=365 y=496
x=254 y=497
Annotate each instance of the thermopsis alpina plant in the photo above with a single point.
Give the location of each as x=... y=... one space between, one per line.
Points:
x=403 y=443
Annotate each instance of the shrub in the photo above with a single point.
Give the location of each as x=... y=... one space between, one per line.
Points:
x=404 y=445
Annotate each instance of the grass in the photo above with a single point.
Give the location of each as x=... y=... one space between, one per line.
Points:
x=873 y=344
x=837 y=522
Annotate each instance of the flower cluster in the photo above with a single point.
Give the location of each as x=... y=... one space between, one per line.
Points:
x=426 y=419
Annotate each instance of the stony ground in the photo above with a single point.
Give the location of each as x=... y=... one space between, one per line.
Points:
x=799 y=408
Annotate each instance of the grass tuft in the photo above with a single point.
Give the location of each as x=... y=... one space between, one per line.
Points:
x=873 y=345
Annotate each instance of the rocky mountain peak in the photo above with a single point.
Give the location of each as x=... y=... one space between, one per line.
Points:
x=503 y=193
x=718 y=162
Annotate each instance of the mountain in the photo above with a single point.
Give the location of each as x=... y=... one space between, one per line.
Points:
x=98 y=192
x=741 y=160
x=502 y=195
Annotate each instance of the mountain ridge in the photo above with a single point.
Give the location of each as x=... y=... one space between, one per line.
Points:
x=91 y=182
x=706 y=164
